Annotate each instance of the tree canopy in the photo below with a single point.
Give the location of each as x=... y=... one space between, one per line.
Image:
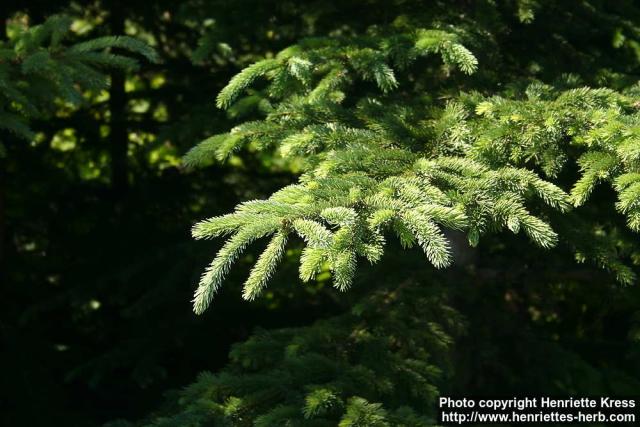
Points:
x=400 y=200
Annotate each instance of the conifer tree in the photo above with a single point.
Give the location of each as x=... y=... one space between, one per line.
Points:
x=385 y=162
x=38 y=70
x=403 y=138
x=464 y=174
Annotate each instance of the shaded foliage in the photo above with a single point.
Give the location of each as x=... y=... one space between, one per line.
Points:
x=410 y=135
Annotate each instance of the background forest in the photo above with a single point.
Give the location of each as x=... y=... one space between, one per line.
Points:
x=530 y=107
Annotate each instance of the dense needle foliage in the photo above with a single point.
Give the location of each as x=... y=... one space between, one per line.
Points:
x=413 y=198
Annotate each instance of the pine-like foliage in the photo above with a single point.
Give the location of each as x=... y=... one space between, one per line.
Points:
x=359 y=369
x=404 y=138
x=377 y=163
x=39 y=71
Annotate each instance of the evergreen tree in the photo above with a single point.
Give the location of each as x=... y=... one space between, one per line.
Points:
x=433 y=198
x=38 y=71
x=403 y=136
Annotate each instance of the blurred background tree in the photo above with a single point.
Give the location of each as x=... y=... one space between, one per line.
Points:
x=98 y=267
x=95 y=203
